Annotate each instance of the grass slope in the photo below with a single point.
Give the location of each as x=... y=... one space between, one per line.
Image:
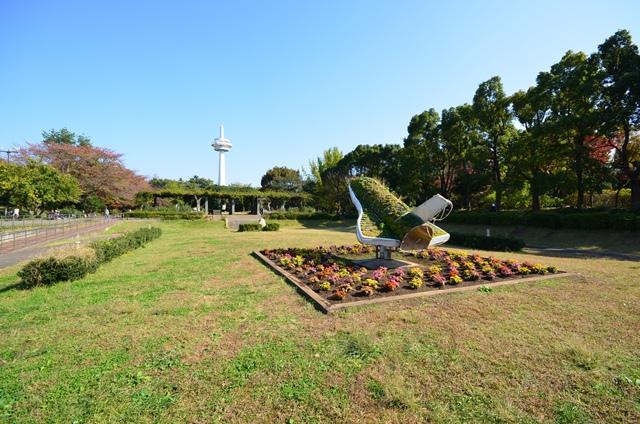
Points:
x=191 y=328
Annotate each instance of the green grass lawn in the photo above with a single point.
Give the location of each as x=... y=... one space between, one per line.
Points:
x=191 y=328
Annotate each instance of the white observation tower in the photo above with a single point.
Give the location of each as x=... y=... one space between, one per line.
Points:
x=221 y=145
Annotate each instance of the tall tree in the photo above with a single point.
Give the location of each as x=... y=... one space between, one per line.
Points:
x=491 y=107
x=282 y=178
x=36 y=187
x=620 y=108
x=329 y=159
x=64 y=136
x=534 y=151
x=422 y=156
x=573 y=85
x=458 y=137
x=99 y=171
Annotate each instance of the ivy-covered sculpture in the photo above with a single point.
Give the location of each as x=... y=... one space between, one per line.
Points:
x=385 y=220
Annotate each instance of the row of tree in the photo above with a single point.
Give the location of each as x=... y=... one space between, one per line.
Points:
x=574 y=132
x=65 y=169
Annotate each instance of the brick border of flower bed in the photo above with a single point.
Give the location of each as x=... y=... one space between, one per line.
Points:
x=326 y=307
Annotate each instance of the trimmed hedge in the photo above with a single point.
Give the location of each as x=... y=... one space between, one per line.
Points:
x=169 y=215
x=302 y=215
x=271 y=226
x=249 y=227
x=560 y=218
x=48 y=271
x=106 y=250
x=503 y=244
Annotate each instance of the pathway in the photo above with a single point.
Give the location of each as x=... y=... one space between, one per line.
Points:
x=233 y=221
x=41 y=246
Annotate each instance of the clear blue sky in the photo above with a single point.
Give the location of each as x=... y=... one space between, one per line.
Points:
x=153 y=80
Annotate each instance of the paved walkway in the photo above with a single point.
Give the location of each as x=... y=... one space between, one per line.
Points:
x=233 y=221
x=10 y=242
x=14 y=257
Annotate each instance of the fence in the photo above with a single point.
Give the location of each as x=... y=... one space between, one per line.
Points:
x=37 y=234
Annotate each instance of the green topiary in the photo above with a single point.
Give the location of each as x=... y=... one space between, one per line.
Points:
x=386 y=210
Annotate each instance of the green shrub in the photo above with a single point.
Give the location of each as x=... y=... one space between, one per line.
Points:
x=487 y=243
x=302 y=215
x=48 y=271
x=51 y=270
x=249 y=227
x=271 y=226
x=597 y=219
x=106 y=250
x=169 y=215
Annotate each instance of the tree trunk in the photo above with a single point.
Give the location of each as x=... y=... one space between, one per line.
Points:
x=496 y=176
x=579 y=169
x=535 y=192
x=635 y=191
x=631 y=173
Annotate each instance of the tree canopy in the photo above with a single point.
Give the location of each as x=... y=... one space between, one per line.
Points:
x=282 y=178
x=99 y=171
x=574 y=133
x=36 y=186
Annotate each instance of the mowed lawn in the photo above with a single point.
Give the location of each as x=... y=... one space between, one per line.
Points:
x=191 y=328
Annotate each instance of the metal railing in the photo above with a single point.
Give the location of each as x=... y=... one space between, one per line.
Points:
x=17 y=239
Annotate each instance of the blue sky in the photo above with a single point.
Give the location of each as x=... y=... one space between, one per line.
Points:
x=153 y=80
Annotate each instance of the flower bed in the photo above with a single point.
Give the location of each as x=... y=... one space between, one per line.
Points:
x=334 y=276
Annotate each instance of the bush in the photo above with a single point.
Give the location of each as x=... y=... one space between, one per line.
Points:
x=271 y=226
x=170 y=215
x=558 y=218
x=503 y=244
x=51 y=270
x=48 y=271
x=249 y=227
x=106 y=250
x=302 y=215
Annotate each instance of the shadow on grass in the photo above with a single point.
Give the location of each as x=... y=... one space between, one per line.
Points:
x=570 y=243
x=19 y=285
x=579 y=254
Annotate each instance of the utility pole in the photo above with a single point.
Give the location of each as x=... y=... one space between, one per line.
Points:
x=9 y=152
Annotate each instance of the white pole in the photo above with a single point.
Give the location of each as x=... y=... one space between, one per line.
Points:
x=221 y=171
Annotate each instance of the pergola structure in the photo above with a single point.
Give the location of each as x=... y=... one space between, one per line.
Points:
x=226 y=195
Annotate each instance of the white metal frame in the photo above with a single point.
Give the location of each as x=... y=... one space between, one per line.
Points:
x=383 y=244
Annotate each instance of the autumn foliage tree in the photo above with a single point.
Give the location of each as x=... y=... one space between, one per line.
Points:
x=102 y=176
